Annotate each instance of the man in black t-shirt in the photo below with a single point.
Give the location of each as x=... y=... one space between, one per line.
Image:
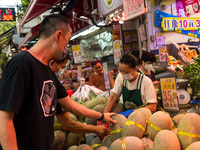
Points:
x=30 y=91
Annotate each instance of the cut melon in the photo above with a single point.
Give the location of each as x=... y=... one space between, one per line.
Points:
x=166 y=140
x=128 y=143
x=148 y=143
x=158 y=121
x=194 y=146
x=59 y=140
x=188 y=127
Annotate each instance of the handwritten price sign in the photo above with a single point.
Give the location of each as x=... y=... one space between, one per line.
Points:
x=117 y=51
x=169 y=94
x=77 y=54
x=162 y=54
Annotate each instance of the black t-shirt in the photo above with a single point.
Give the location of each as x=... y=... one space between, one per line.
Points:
x=30 y=90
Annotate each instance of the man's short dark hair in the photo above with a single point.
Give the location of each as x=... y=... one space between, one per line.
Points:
x=130 y=60
x=148 y=56
x=53 y=23
x=95 y=62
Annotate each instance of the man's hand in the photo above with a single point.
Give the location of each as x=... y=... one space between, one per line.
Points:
x=100 y=130
x=107 y=117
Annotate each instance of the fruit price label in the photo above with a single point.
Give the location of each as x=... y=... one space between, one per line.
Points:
x=162 y=54
x=117 y=51
x=77 y=54
x=169 y=94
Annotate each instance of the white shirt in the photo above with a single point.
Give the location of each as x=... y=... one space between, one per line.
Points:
x=148 y=92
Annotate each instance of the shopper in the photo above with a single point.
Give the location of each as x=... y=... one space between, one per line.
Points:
x=134 y=87
x=97 y=77
x=30 y=91
x=67 y=123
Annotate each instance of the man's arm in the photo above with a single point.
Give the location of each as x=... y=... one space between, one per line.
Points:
x=91 y=80
x=7 y=131
x=112 y=81
x=73 y=126
x=82 y=111
x=110 y=103
x=152 y=107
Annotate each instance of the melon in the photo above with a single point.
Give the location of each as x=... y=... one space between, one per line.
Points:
x=116 y=128
x=57 y=125
x=73 y=147
x=107 y=141
x=74 y=139
x=194 y=146
x=98 y=100
x=158 y=121
x=128 y=143
x=176 y=119
x=59 y=140
x=89 y=137
x=73 y=117
x=175 y=131
x=190 y=125
x=96 y=143
x=118 y=107
x=135 y=124
x=102 y=148
x=166 y=140
x=84 y=147
x=148 y=143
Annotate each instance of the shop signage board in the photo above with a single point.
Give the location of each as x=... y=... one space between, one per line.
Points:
x=134 y=8
x=180 y=23
x=160 y=39
x=7 y=14
x=106 y=76
x=107 y=6
x=191 y=6
x=117 y=51
x=77 y=54
x=169 y=94
x=79 y=68
x=162 y=54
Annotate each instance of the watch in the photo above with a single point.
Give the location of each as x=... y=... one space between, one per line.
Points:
x=101 y=117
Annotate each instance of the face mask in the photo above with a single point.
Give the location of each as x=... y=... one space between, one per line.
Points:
x=64 y=52
x=128 y=77
x=148 y=67
x=60 y=72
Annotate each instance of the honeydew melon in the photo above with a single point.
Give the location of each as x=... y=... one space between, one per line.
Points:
x=194 y=146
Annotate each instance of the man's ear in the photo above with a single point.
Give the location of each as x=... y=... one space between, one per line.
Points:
x=51 y=63
x=57 y=35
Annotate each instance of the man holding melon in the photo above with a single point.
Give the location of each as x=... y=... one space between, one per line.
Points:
x=137 y=89
x=30 y=91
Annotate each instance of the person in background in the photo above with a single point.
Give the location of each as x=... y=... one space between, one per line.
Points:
x=136 y=89
x=97 y=77
x=30 y=91
x=63 y=117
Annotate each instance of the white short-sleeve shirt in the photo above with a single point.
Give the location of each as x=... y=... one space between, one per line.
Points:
x=148 y=92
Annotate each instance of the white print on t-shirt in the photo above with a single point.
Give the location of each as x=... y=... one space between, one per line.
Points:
x=48 y=98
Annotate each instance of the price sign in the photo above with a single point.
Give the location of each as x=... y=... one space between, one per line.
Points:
x=127 y=48
x=160 y=39
x=117 y=51
x=106 y=76
x=79 y=68
x=162 y=54
x=77 y=54
x=169 y=94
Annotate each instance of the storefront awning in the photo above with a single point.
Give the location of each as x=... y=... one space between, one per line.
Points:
x=36 y=8
x=33 y=33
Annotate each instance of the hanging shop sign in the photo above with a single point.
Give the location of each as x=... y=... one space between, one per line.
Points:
x=106 y=76
x=117 y=51
x=134 y=8
x=160 y=39
x=191 y=6
x=77 y=54
x=180 y=8
x=7 y=14
x=162 y=54
x=169 y=94
x=181 y=23
x=107 y=6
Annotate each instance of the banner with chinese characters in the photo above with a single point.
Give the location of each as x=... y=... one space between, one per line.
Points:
x=106 y=76
x=160 y=39
x=162 y=54
x=117 y=51
x=77 y=54
x=181 y=23
x=7 y=14
x=169 y=94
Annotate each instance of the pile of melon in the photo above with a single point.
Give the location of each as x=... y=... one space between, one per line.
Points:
x=142 y=130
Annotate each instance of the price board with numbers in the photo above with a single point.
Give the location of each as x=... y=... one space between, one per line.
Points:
x=77 y=54
x=162 y=54
x=169 y=94
x=117 y=51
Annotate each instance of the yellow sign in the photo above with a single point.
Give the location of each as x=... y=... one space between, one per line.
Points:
x=116 y=45
x=162 y=54
x=76 y=48
x=180 y=23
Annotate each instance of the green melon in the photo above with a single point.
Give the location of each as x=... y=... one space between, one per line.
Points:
x=84 y=147
x=160 y=120
x=118 y=107
x=89 y=137
x=57 y=125
x=148 y=143
x=107 y=141
x=73 y=147
x=73 y=117
x=194 y=146
x=74 y=139
x=136 y=123
x=166 y=140
x=96 y=143
x=189 y=124
x=59 y=140
x=98 y=100
x=176 y=119
x=130 y=142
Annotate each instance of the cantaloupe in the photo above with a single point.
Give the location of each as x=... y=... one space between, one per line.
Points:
x=74 y=139
x=107 y=141
x=194 y=146
x=96 y=143
x=188 y=127
x=135 y=124
x=128 y=143
x=102 y=148
x=175 y=131
x=89 y=137
x=116 y=128
x=59 y=140
x=84 y=147
x=148 y=143
x=176 y=119
x=73 y=147
x=98 y=100
x=118 y=107
x=166 y=140
x=158 y=121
